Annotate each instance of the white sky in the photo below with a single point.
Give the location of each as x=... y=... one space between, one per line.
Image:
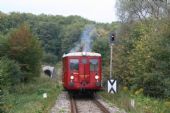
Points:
x=97 y=10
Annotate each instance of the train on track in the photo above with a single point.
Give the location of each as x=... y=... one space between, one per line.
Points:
x=82 y=71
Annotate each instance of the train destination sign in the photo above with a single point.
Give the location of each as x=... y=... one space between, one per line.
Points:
x=112 y=86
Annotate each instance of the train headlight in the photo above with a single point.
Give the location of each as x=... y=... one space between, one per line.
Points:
x=71 y=77
x=96 y=77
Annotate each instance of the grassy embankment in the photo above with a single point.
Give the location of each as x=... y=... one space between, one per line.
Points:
x=142 y=104
x=28 y=98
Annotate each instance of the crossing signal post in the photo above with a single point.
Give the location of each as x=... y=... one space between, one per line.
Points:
x=112 y=84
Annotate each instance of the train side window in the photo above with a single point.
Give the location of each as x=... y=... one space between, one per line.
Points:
x=93 y=65
x=74 y=64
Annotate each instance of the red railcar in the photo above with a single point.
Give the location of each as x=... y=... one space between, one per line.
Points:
x=82 y=70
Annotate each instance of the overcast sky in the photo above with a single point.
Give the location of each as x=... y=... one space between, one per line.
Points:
x=97 y=10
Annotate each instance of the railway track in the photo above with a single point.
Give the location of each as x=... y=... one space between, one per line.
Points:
x=102 y=108
x=73 y=104
x=86 y=105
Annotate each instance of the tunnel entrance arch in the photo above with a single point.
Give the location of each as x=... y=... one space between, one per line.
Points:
x=49 y=71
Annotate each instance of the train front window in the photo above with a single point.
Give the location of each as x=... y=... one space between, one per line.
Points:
x=74 y=64
x=93 y=65
x=84 y=61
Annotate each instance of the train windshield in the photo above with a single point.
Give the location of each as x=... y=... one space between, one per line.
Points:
x=74 y=64
x=93 y=65
x=84 y=61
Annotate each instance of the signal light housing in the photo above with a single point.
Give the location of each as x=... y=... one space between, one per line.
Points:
x=112 y=37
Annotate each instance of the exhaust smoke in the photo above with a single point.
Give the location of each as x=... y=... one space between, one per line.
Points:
x=86 y=39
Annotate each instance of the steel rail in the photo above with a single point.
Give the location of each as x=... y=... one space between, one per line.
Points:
x=99 y=105
x=73 y=104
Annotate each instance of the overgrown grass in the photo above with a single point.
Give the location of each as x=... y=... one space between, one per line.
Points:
x=28 y=98
x=142 y=104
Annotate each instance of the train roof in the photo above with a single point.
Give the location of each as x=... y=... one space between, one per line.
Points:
x=82 y=54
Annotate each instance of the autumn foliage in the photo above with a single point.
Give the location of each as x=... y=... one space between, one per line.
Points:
x=25 y=49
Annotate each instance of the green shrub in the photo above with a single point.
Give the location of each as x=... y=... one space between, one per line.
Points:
x=9 y=72
x=153 y=85
x=9 y=76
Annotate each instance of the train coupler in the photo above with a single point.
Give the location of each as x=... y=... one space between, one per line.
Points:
x=71 y=84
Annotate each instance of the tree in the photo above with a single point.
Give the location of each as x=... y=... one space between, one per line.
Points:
x=26 y=50
x=131 y=10
x=49 y=58
x=58 y=34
